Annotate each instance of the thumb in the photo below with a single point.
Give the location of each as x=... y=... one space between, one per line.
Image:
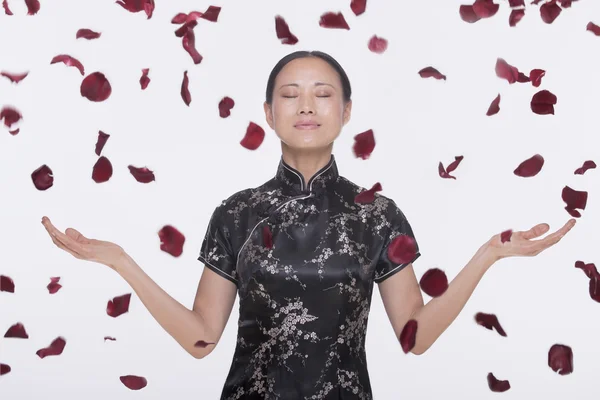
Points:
x=536 y=231
x=76 y=235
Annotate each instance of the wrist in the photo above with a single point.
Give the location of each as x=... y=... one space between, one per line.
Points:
x=123 y=263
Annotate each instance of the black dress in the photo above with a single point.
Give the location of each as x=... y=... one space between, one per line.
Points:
x=304 y=302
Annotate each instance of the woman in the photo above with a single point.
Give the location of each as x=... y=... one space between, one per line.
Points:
x=303 y=256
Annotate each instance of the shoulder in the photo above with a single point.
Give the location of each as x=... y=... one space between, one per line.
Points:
x=381 y=204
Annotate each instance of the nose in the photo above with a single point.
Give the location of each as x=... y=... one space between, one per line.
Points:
x=306 y=105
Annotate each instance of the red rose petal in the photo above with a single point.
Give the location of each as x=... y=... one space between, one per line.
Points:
x=211 y=13
x=333 y=21
x=95 y=87
x=494 y=106
x=535 y=2
x=144 y=79
x=445 y=173
x=560 y=359
x=496 y=385
x=42 y=178
x=589 y=164
x=102 y=170
x=594 y=288
x=14 y=78
x=530 y=167
x=101 y=141
x=4 y=369
x=68 y=60
x=6 y=8
x=142 y=175
x=485 y=8
x=522 y=78
x=434 y=282
x=202 y=343
x=364 y=144
x=430 y=72
x=283 y=31
x=33 y=6
x=516 y=3
x=54 y=349
x=16 y=331
x=408 y=336
x=181 y=31
x=595 y=29
x=378 y=45
x=267 y=237
x=368 y=196
x=515 y=17
x=54 y=286
x=506 y=71
x=179 y=18
x=10 y=116
x=135 y=6
x=489 y=321
x=109 y=338
x=536 y=76
x=402 y=249
x=549 y=11
x=225 y=106
x=506 y=235
x=15 y=131
x=467 y=14
x=254 y=136
x=87 y=34
x=566 y=3
x=189 y=44
x=119 y=305
x=7 y=284
x=358 y=6
x=134 y=382
x=185 y=91
x=171 y=240
x=574 y=198
x=542 y=102
x=589 y=269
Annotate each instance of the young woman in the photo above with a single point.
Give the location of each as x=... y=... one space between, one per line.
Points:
x=303 y=257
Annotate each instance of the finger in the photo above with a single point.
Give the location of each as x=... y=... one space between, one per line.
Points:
x=555 y=236
x=536 y=231
x=76 y=235
x=62 y=246
x=64 y=239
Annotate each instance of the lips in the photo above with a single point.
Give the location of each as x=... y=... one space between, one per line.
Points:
x=307 y=125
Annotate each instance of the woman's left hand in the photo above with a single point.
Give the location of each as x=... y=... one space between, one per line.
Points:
x=520 y=243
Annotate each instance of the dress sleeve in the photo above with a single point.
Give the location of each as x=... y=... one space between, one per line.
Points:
x=216 y=251
x=398 y=226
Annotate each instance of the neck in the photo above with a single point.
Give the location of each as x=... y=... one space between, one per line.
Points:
x=307 y=162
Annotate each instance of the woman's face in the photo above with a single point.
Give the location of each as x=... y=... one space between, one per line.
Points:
x=308 y=110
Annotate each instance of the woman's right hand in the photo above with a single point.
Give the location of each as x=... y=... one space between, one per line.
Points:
x=83 y=248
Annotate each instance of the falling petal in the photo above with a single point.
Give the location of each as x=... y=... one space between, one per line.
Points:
x=378 y=45
x=87 y=34
x=267 y=237
x=516 y=3
x=185 y=91
x=494 y=106
x=430 y=72
x=14 y=78
x=119 y=305
x=530 y=167
x=560 y=359
x=333 y=21
x=16 y=331
x=69 y=61
x=109 y=338
x=496 y=385
x=142 y=175
x=101 y=141
x=445 y=173
x=171 y=240
x=358 y=6
x=33 y=6
x=434 y=282
x=102 y=170
x=543 y=102
x=4 y=369
x=54 y=349
x=368 y=196
x=283 y=31
x=10 y=116
x=7 y=284
x=42 y=178
x=134 y=382
x=506 y=235
x=364 y=144
x=589 y=269
x=489 y=321
x=211 y=13
x=522 y=78
x=95 y=87
x=550 y=11
x=225 y=106
x=202 y=344
x=135 y=6
x=506 y=71
x=6 y=8
x=467 y=14
x=515 y=17
x=254 y=136
x=595 y=29
x=536 y=76
x=54 y=286
x=485 y=8
x=589 y=164
x=189 y=44
x=408 y=336
x=181 y=31
x=402 y=249
x=144 y=79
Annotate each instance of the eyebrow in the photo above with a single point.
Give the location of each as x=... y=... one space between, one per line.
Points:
x=316 y=84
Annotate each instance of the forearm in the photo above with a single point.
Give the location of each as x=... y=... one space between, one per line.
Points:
x=184 y=325
x=434 y=317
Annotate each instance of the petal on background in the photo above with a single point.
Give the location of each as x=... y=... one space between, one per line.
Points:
x=142 y=175
x=283 y=31
x=54 y=286
x=225 y=106
x=14 y=78
x=485 y=8
x=4 y=369
x=530 y=167
x=42 y=178
x=358 y=6
x=434 y=282
x=536 y=75
x=489 y=321
x=560 y=359
x=144 y=79
x=102 y=170
x=33 y=6
x=595 y=29
x=254 y=137
x=430 y=72
x=364 y=144
x=494 y=107
x=95 y=87
x=7 y=284
x=171 y=240
x=134 y=382
x=467 y=13
x=185 y=90
x=101 y=141
x=87 y=34
x=543 y=102
x=68 y=60
x=119 y=305
x=515 y=17
x=497 y=385
x=333 y=20
x=17 y=331
x=377 y=44
x=550 y=11
x=54 y=349
x=589 y=164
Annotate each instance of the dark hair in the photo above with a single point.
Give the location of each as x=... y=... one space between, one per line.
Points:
x=302 y=54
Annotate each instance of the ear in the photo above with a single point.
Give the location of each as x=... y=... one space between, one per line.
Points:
x=347 y=112
x=268 y=114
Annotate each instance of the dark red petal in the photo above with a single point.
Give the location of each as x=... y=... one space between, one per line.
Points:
x=185 y=91
x=14 y=78
x=506 y=71
x=595 y=288
x=467 y=14
x=506 y=235
x=142 y=175
x=4 y=369
x=135 y=6
x=364 y=144
x=42 y=178
x=6 y=8
x=102 y=170
x=402 y=249
x=489 y=321
x=10 y=116
x=283 y=31
x=267 y=237
x=202 y=343
x=515 y=17
x=225 y=106
x=179 y=18
x=589 y=164
x=68 y=60
x=333 y=20
x=254 y=136
x=560 y=359
x=521 y=78
x=33 y=6
x=542 y=102
x=54 y=286
x=134 y=382
x=590 y=269
x=574 y=199
x=530 y=167
x=434 y=282
x=378 y=45
x=368 y=196
x=536 y=76
x=358 y=6
x=211 y=13
x=144 y=79
x=54 y=349
x=445 y=173
x=16 y=331
x=95 y=87
x=181 y=31
x=149 y=8
x=496 y=385
x=516 y=3
x=494 y=106
x=550 y=11
x=15 y=131
x=87 y=34
x=171 y=240
x=101 y=141
x=189 y=44
x=119 y=305
x=109 y=338
x=595 y=29
x=485 y=8
x=430 y=72
x=408 y=336
x=566 y=3
x=7 y=284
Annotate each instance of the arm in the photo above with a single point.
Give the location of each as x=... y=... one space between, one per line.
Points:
x=403 y=300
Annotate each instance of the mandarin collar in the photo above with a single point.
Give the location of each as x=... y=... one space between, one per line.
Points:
x=291 y=179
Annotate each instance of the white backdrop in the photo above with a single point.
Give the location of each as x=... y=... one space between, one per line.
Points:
x=197 y=160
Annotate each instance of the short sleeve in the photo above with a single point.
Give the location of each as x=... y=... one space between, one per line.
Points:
x=399 y=225
x=216 y=251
